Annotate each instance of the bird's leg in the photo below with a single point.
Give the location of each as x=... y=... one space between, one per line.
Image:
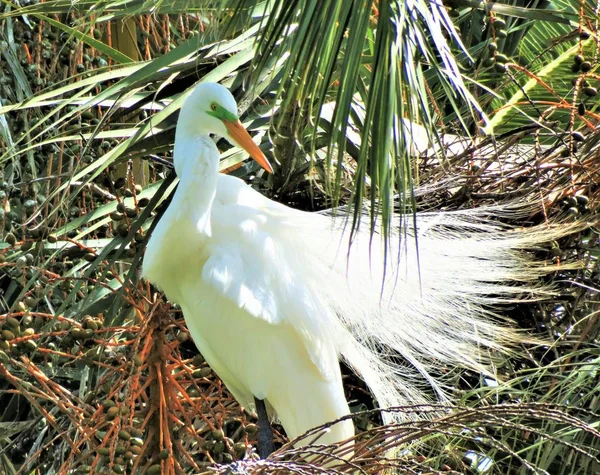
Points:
x=265 y=432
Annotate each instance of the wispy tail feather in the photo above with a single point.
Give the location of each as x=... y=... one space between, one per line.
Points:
x=435 y=308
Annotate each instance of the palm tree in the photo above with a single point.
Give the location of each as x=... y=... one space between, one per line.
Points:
x=351 y=98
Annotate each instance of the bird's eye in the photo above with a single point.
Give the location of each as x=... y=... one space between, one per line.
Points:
x=213 y=106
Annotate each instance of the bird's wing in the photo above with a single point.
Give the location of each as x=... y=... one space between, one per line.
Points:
x=251 y=265
x=403 y=313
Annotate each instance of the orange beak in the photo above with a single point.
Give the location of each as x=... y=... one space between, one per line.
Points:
x=241 y=137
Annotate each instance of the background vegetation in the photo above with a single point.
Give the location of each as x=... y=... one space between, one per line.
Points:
x=475 y=102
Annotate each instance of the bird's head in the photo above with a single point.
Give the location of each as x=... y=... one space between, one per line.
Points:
x=211 y=109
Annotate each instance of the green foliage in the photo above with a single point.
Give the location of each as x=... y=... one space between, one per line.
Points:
x=328 y=89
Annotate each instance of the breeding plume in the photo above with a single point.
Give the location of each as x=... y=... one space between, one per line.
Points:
x=273 y=299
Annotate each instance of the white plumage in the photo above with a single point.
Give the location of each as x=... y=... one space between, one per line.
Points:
x=273 y=298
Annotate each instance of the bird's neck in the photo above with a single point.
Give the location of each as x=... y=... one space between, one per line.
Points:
x=196 y=162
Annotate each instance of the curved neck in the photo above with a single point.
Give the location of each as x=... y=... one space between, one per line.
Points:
x=196 y=161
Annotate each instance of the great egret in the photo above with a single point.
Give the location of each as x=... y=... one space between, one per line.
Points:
x=273 y=298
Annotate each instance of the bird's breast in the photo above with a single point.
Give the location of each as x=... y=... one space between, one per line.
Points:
x=175 y=249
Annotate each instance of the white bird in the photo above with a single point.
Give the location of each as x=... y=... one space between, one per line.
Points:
x=273 y=299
